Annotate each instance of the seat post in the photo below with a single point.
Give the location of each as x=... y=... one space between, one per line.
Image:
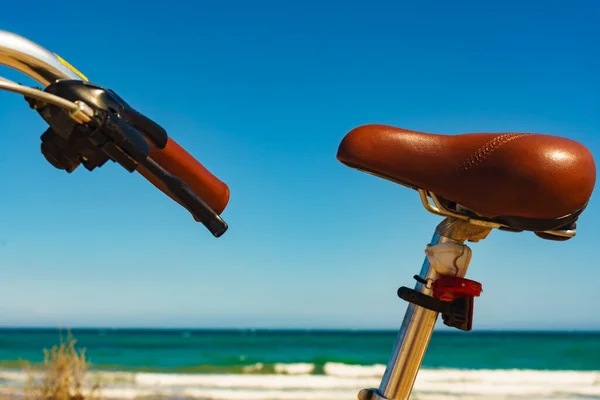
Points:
x=418 y=324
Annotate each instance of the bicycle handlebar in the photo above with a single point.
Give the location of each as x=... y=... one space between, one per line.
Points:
x=164 y=163
x=33 y=60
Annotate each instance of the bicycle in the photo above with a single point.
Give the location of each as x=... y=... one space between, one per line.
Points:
x=543 y=184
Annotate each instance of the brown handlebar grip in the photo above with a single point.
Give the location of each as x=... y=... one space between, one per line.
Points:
x=177 y=161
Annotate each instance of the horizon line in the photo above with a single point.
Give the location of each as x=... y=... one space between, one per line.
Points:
x=284 y=329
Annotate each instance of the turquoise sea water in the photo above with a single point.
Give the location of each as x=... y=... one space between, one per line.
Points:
x=215 y=350
x=317 y=365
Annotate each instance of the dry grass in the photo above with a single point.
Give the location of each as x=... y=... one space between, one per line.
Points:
x=62 y=376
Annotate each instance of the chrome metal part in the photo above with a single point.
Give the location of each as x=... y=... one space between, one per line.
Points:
x=417 y=326
x=33 y=60
x=438 y=209
x=82 y=114
x=567 y=233
x=10 y=86
x=4 y=80
x=461 y=231
x=370 y=394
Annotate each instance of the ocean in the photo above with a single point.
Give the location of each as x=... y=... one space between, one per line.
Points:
x=311 y=364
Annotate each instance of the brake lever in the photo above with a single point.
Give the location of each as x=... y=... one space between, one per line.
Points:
x=187 y=198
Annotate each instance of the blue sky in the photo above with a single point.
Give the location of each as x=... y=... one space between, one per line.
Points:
x=261 y=93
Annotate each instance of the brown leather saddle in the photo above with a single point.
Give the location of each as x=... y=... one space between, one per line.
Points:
x=522 y=181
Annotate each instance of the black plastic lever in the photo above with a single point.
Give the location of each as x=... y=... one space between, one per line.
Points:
x=457 y=313
x=193 y=203
x=153 y=131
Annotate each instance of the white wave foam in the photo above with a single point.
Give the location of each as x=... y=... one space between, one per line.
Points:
x=343 y=381
x=249 y=369
x=294 y=369
x=353 y=371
